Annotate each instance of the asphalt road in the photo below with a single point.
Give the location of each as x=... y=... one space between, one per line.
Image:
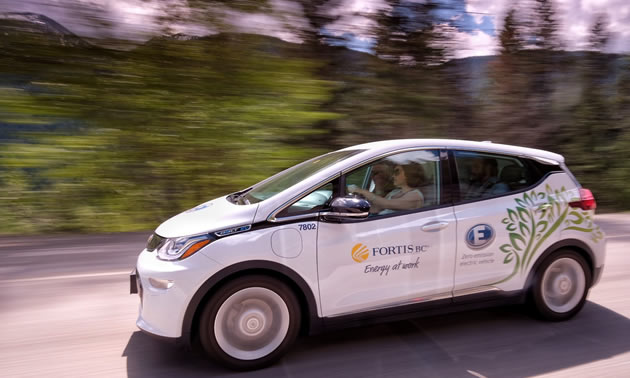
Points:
x=65 y=311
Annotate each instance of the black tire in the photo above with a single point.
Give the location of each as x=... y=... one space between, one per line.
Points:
x=563 y=271
x=251 y=345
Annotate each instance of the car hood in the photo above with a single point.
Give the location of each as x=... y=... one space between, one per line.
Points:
x=210 y=216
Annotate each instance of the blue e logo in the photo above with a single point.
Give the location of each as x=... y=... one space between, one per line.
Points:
x=479 y=236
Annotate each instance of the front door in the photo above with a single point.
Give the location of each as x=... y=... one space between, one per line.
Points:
x=402 y=254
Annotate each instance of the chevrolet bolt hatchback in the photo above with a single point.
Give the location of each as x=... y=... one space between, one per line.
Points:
x=370 y=233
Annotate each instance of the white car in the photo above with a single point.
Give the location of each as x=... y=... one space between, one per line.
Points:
x=379 y=231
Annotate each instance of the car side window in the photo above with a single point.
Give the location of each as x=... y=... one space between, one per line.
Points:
x=483 y=175
x=397 y=183
x=314 y=201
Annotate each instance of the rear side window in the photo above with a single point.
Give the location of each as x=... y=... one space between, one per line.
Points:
x=482 y=175
x=541 y=170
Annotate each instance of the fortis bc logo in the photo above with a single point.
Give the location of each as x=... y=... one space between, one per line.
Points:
x=360 y=253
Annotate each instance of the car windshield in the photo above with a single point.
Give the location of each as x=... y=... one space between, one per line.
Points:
x=289 y=177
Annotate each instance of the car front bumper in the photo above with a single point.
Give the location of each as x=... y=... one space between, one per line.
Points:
x=165 y=289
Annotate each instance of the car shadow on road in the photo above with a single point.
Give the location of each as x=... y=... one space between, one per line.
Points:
x=493 y=342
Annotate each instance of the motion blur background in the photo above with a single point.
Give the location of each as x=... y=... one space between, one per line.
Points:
x=115 y=115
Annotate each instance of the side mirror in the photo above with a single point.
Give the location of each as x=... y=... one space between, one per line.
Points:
x=344 y=208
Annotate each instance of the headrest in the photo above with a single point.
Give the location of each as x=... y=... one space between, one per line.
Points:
x=512 y=174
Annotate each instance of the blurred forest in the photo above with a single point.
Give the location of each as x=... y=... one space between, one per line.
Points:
x=101 y=139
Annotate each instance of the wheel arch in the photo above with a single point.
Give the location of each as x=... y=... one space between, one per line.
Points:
x=311 y=322
x=572 y=244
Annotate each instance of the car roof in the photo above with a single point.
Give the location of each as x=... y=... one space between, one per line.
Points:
x=486 y=146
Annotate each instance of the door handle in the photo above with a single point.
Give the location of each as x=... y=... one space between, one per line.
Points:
x=543 y=207
x=435 y=226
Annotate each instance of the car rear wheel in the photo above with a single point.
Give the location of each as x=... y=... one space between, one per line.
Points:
x=250 y=322
x=561 y=285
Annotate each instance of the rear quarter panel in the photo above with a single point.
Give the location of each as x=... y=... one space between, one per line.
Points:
x=550 y=220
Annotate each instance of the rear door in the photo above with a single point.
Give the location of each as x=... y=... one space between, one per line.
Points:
x=500 y=222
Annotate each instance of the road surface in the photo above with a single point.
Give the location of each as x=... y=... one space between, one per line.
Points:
x=65 y=311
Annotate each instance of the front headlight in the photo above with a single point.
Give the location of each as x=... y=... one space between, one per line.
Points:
x=183 y=247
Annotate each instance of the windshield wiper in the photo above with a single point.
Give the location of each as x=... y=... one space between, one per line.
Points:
x=243 y=199
x=239 y=198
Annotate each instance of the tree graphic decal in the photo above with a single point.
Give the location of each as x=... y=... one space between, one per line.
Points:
x=537 y=216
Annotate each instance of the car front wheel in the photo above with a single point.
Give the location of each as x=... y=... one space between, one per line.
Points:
x=250 y=322
x=561 y=285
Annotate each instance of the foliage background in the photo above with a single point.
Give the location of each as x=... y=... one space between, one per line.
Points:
x=97 y=139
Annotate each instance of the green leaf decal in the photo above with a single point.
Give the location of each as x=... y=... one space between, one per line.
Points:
x=548 y=189
x=524 y=229
x=575 y=228
x=506 y=248
x=528 y=200
x=518 y=242
x=558 y=206
x=535 y=227
x=578 y=218
x=523 y=214
x=541 y=226
x=512 y=215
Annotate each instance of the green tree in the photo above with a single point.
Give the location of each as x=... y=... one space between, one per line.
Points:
x=540 y=65
x=407 y=34
x=510 y=37
x=546 y=26
x=507 y=103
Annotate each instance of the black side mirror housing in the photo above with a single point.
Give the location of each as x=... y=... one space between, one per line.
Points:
x=347 y=208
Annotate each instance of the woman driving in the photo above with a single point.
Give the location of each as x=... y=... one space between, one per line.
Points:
x=406 y=196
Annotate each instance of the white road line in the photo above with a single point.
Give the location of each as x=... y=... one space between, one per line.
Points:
x=474 y=373
x=617 y=236
x=76 y=250
x=66 y=277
